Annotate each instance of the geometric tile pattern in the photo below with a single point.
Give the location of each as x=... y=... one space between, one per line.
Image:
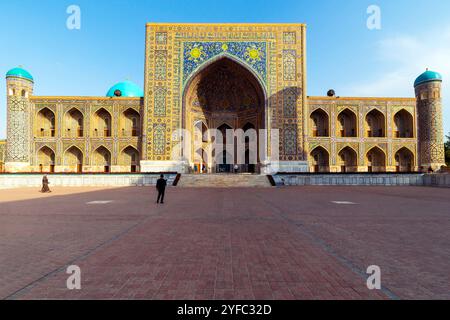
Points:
x=18 y=125
x=252 y=54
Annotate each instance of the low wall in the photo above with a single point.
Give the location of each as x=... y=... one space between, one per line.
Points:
x=413 y=179
x=437 y=180
x=87 y=180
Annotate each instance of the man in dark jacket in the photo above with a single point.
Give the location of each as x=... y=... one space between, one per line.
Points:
x=161 y=187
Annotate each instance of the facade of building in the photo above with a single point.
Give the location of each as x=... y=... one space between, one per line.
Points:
x=222 y=76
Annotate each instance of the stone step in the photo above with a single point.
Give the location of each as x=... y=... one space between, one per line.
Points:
x=223 y=181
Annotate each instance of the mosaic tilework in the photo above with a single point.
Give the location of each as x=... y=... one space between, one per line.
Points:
x=290 y=139
x=257 y=47
x=18 y=147
x=289 y=65
x=289 y=38
x=290 y=96
x=161 y=37
x=252 y=54
x=161 y=65
x=159 y=139
x=160 y=102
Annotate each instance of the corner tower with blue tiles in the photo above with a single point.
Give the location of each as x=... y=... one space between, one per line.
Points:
x=19 y=87
x=430 y=128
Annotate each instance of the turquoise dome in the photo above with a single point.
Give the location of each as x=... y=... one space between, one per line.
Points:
x=428 y=76
x=127 y=89
x=19 y=73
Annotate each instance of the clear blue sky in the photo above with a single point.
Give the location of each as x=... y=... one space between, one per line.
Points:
x=342 y=52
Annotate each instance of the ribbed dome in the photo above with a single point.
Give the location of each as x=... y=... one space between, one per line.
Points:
x=428 y=76
x=19 y=73
x=125 y=89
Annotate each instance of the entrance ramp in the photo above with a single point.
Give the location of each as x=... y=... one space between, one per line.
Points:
x=224 y=181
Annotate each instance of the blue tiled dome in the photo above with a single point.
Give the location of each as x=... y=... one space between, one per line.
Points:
x=428 y=76
x=19 y=73
x=125 y=89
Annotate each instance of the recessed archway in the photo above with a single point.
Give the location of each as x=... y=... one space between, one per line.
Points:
x=319 y=122
x=348 y=160
x=130 y=159
x=101 y=123
x=404 y=160
x=130 y=123
x=223 y=92
x=102 y=159
x=74 y=123
x=320 y=159
x=376 y=124
x=376 y=160
x=347 y=124
x=73 y=160
x=45 y=123
x=46 y=159
x=403 y=124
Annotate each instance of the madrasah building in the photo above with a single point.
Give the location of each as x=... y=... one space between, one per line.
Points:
x=222 y=76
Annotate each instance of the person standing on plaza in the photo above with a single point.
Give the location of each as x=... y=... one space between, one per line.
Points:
x=45 y=183
x=161 y=187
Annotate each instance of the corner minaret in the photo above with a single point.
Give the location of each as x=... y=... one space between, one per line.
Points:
x=19 y=89
x=429 y=110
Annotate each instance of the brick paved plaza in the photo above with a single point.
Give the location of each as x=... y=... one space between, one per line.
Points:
x=288 y=243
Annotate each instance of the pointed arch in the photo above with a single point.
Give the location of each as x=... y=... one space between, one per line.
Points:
x=102 y=159
x=403 y=124
x=348 y=159
x=130 y=123
x=74 y=123
x=45 y=123
x=130 y=158
x=319 y=123
x=73 y=159
x=376 y=160
x=101 y=123
x=404 y=160
x=205 y=65
x=347 y=123
x=375 y=123
x=46 y=159
x=320 y=159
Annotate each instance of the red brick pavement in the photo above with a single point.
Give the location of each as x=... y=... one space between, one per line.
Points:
x=288 y=243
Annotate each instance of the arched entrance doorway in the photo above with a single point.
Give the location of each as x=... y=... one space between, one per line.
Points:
x=320 y=159
x=225 y=95
x=376 y=160
x=404 y=160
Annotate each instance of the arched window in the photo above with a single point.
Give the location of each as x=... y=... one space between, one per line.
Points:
x=348 y=160
x=45 y=123
x=74 y=123
x=130 y=157
x=375 y=122
x=404 y=160
x=102 y=159
x=376 y=160
x=347 y=124
x=130 y=123
x=102 y=123
x=403 y=124
x=320 y=160
x=319 y=124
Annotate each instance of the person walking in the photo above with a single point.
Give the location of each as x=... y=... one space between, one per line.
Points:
x=45 y=183
x=161 y=187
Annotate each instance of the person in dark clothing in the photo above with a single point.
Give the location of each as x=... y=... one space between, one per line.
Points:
x=45 y=183
x=161 y=187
